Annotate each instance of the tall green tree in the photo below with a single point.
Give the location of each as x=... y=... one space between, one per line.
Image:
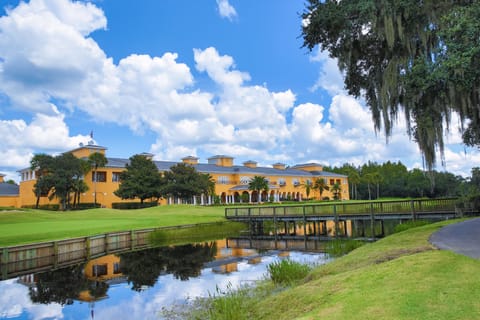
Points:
x=140 y=179
x=96 y=160
x=66 y=170
x=42 y=164
x=258 y=184
x=184 y=181
x=419 y=57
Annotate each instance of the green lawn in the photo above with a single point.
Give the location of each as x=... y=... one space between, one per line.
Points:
x=28 y=226
x=399 y=277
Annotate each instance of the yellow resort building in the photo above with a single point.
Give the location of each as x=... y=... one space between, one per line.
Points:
x=231 y=181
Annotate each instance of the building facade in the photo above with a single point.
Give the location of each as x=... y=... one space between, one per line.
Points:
x=231 y=181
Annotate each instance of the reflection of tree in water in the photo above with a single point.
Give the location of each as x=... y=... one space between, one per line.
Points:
x=142 y=268
x=187 y=261
x=64 y=285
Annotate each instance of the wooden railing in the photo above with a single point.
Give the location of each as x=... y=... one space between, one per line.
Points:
x=347 y=208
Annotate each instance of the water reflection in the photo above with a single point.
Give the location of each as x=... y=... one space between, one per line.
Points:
x=136 y=285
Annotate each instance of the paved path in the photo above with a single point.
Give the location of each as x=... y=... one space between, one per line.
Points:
x=462 y=237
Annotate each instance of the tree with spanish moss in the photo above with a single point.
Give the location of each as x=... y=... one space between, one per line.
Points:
x=416 y=57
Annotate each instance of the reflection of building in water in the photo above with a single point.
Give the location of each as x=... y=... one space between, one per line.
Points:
x=255 y=260
x=327 y=228
x=103 y=268
x=29 y=280
x=227 y=258
x=226 y=268
x=223 y=251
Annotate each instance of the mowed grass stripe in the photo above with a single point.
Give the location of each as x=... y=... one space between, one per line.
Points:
x=20 y=227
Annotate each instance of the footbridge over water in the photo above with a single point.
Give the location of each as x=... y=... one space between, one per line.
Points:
x=360 y=219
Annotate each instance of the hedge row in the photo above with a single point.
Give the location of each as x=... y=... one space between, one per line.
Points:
x=56 y=207
x=133 y=205
x=51 y=207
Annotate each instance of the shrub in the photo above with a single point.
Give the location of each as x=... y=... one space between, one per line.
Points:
x=86 y=205
x=51 y=207
x=339 y=247
x=409 y=224
x=287 y=272
x=133 y=205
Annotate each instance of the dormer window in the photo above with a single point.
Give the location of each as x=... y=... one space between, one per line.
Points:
x=245 y=180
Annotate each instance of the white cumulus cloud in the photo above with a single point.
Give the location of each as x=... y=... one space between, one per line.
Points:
x=226 y=10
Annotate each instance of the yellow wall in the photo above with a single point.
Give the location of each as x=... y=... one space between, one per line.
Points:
x=10 y=201
x=107 y=261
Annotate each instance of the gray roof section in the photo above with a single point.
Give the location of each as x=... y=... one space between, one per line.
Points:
x=212 y=168
x=8 y=189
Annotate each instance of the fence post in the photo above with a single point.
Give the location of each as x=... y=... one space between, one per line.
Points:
x=132 y=239
x=55 y=254
x=372 y=220
x=304 y=224
x=87 y=248
x=412 y=207
x=4 y=263
x=275 y=224
x=336 y=219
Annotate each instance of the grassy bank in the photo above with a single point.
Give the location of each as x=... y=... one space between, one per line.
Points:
x=198 y=233
x=399 y=277
x=27 y=226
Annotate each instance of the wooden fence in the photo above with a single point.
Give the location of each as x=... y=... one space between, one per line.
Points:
x=412 y=207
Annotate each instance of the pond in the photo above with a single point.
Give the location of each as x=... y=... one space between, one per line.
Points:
x=140 y=284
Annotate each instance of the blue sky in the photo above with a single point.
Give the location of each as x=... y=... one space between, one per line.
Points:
x=179 y=78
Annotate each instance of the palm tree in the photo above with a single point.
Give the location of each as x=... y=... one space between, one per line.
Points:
x=308 y=186
x=321 y=186
x=207 y=184
x=96 y=160
x=79 y=185
x=258 y=183
x=372 y=178
x=354 y=180
x=336 y=190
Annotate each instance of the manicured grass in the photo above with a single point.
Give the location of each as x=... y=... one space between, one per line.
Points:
x=399 y=277
x=28 y=226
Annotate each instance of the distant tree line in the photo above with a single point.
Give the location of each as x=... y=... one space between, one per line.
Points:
x=393 y=179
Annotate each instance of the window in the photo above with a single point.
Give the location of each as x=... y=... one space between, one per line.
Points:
x=115 y=176
x=99 y=270
x=244 y=180
x=332 y=182
x=281 y=181
x=101 y=176
x=296 y=182
x=116 y=268
x=222 y=180
x=338 y=181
